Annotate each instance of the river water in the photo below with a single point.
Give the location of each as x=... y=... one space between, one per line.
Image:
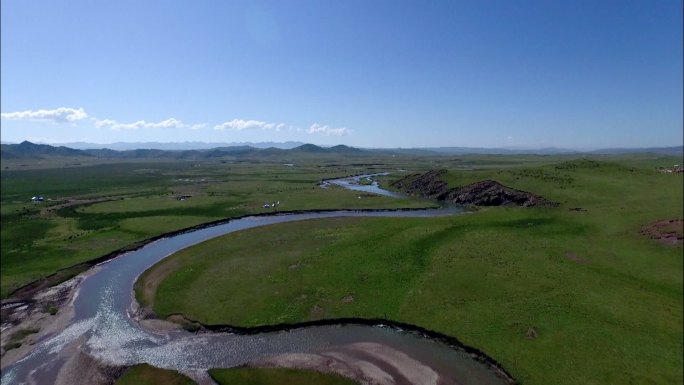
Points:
x=104 y=303
x=355 y=183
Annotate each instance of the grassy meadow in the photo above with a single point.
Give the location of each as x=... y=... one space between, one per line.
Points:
x=145 y=374
x=92 y=210
x=96 y=206
x=566 y=295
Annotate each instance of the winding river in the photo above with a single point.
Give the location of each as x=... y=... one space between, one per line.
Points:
x=372 y=186
x=104 y=329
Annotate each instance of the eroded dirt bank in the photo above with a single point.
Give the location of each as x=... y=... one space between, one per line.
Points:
x=482 y=193
x=46 y=313
x=668 y=231
x=367 y=363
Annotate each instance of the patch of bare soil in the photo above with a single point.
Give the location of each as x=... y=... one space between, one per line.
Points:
x=348 y=299
x=316 y=313
x=201 y=377
x=80 y=368
x=667 y=231
x=577 y=258
x=364 y=362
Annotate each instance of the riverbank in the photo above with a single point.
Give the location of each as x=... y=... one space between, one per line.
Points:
x=27 y=291
x=346 y=360
x=47 y=313
x=67 y=287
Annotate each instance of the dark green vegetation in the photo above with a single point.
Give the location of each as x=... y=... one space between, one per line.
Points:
x=258 y=376
x=145 y=374
x=565 y=295
x=17 y=338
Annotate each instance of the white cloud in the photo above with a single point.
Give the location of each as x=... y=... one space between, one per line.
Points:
x=140 y=124
x=58 y=115
x=240 y=124
x=105 y=123
x=327 y=130
x=71 y=115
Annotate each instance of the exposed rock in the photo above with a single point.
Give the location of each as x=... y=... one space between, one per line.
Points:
x=482 y=193
x=428 y=185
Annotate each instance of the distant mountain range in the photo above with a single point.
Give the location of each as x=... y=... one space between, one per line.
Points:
x=27 y=149
x=122 y=146
x=674 y=150
x=146 y=151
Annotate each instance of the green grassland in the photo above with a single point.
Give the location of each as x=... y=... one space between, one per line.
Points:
x=558 y=296
x=37 y=239
x=258 y=376
x=40 y=238
x=145 y=374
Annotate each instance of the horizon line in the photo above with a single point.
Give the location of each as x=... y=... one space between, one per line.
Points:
x=513 y=147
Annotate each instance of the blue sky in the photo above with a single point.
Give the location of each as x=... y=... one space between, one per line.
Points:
x=574 y=74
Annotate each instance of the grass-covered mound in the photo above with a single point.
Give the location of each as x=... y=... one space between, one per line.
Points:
x=273 y=376
x=566 y=295
x=145 y=374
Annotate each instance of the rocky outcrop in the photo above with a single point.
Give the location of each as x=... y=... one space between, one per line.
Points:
x=482 y=193
x=428 y=185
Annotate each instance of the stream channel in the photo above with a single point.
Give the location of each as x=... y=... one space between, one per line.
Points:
x=104 y=329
